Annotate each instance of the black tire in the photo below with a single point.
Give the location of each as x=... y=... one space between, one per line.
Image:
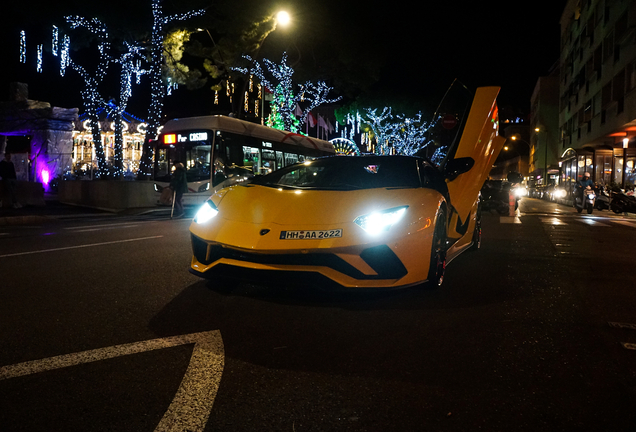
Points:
x=437 y=264
x=590 y=208
x=579 y=209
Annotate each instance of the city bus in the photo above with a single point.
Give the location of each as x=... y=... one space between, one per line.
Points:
x=218 y=151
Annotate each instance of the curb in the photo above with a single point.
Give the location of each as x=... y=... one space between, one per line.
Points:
x=23 y=220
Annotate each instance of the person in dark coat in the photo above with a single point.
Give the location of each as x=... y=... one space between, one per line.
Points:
x=9 y=179
x=179 y=184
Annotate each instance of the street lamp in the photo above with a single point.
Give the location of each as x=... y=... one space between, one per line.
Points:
x=283 y=18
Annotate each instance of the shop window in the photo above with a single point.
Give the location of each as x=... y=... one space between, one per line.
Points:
x=580 y=168
x=630 y=172
x=618 y=170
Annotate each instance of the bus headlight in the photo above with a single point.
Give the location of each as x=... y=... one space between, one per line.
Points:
x=204 y=187
x=207 y=211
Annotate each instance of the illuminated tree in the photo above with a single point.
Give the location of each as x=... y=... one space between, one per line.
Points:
x=278 y=80
x=91 y=98
x=130 y=63
x=381 y=128
x=157 y=86
x=405 y=135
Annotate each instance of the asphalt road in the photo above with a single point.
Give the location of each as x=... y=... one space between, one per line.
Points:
x=102 y=328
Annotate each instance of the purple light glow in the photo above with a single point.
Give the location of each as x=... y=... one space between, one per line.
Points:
x=46 y=177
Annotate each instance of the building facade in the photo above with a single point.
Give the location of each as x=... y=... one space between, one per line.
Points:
x=544 y=131
x=597 y=86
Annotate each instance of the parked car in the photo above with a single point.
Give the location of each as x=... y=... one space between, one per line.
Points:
x=356 y=221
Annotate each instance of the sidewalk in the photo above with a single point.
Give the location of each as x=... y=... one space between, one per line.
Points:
x=54 y=210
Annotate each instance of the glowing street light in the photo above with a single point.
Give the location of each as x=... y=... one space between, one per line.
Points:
x=282 y=18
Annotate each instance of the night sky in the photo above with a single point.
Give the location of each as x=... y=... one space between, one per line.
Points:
x=396 y=52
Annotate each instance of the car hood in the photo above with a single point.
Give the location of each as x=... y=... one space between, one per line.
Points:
x=262 y=205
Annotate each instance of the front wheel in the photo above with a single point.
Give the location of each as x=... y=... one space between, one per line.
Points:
x=437 y=263
x=590 y=208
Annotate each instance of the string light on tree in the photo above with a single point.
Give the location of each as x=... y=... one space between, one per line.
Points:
x=91 y=98
x=157 y=88
x=39 y=65
x=55 y=42
x=22 y=47
x=278 y=80
x=406 y=135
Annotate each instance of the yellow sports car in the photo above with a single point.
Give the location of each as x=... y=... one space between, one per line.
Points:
x=356 y=221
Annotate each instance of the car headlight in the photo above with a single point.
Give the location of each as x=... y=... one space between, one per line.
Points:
x=521 y=191
x=207 y=211
x=559 y=193
x=377 y=222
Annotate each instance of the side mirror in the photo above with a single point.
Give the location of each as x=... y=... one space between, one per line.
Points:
x=455 y=167
x=515 y=177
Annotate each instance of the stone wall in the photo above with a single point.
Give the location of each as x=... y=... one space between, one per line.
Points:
x=108 y=194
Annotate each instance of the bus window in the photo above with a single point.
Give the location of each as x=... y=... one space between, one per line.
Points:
x=290 y=159
x=198 y=158
x=279 y=160
x=269 y=161
x=252 y=158
x=219 y=172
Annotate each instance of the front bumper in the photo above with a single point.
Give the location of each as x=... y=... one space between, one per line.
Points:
x=373 y=267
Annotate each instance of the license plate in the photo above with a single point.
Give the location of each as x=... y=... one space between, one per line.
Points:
x=310 y=235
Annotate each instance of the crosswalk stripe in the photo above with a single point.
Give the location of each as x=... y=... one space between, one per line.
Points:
x=593 y=222
x=558 y=221
x=552 y=221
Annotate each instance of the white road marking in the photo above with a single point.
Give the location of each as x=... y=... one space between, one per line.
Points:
x=192 y=404
x=509 y=220
x=592 y=222
x=80 y=246
x=552 y=221
x=105 y=228
x=629 y=346
x=121 y=224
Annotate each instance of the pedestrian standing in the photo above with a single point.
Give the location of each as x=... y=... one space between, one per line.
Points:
x=9 y=179
x=179 y=184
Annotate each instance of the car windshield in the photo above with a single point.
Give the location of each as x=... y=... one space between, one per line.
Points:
x=347 y=173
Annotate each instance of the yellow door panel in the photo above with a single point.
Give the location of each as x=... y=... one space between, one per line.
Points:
x=480 y=141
